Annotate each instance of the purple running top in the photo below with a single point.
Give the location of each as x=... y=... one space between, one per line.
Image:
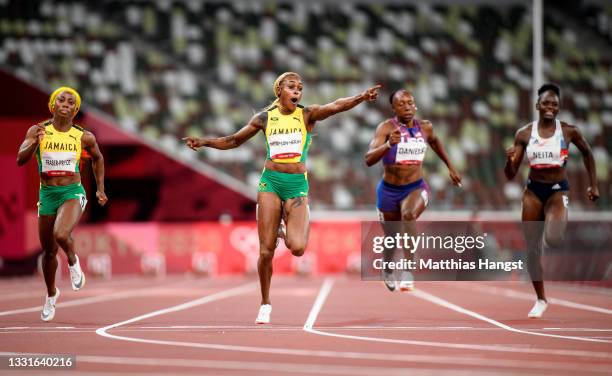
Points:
x=411 y=148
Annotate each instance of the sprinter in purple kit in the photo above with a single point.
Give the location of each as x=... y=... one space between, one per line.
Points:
x=402 y=194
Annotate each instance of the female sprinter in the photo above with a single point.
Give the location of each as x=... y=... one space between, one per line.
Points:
x=402 y=194
x=546 y=142
x=283 y=188
x=57 y=144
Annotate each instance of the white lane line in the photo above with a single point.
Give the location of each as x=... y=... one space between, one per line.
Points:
x=90 y=300
x=5 y=332
x=45 y=331
x=238 y=328
x=318 y=304
x=193 y=303
x=324 y=292
x=77 y=302
x=446 y=304
x=272 y=327
x=102 y=285
x=222 y=330
x=579 y=329
x=37 y=327
x=383 y=357
x=524 y=296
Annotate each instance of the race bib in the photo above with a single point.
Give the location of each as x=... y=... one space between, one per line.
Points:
x=545 y=153
x=411 y=151
x=285 y=146
x=58 y=163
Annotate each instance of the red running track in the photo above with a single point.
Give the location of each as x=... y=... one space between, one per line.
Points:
x=320 y=326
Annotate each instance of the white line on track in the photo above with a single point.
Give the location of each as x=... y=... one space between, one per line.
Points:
x=104 y=286
x=251 y=329
x=145 y=291
x=524 y=296
x=78 y=302
x=37 y=327
x=326 y=288
x=318 y=304
x=579 y=329
x=385 y=358
x=194 y=303
x=238 y=328
x=272 y=327
x=100 y=284
x=45 y=331
x=454 y=307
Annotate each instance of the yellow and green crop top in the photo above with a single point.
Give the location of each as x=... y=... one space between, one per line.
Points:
x=59 y=153
x=287 y=139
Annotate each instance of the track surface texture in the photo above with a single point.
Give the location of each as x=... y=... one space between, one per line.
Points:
x=335 y=325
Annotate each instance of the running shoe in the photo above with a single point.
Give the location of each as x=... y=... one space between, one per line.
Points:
x=389 y=281
x=263 y=317
x=48 y=311
x=538 y=309
x=406 y=283
x=77 y=277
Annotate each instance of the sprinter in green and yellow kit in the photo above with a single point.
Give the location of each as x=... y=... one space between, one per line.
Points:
x=57 y=144
x=283 y=188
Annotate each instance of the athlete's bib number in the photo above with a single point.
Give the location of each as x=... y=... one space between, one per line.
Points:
x=58 y=163
x=285 y=146
x=545 y=153
x=411 y=151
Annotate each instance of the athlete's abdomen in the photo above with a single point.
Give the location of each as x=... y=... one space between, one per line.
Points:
x=402 y=174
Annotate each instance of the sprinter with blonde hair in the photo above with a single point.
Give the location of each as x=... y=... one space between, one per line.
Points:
x=283 y=187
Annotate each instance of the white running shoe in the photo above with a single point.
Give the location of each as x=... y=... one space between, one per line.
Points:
x=77 y=277
x=263 y=317
x=407 y=282
x=389 y=281
x=538 y=309
x=48 y=311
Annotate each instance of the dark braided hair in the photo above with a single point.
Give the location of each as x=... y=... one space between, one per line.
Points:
x=549 y=87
